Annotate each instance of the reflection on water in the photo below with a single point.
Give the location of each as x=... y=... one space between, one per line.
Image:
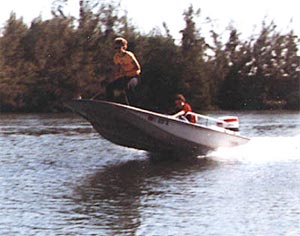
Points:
x=59 y=177
x=114 y=196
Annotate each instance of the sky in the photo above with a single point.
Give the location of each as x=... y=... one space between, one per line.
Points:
x=246 y=16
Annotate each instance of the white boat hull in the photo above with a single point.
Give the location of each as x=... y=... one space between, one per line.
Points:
x=137 y=128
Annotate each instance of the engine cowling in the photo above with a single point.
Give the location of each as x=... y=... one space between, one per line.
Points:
x=229 y=122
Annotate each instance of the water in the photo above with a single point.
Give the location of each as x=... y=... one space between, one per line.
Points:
x=58 y=177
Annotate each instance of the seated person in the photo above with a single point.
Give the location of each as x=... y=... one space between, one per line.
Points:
x=182 y=108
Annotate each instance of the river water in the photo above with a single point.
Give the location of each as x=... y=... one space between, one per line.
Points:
x=59 y=177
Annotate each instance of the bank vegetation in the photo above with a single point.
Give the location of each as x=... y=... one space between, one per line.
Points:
x=53 y=60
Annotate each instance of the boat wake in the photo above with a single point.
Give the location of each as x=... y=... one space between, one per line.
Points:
x=262 y=149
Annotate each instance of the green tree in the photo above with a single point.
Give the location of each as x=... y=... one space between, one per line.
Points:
x=161 y=72
x=286 y=87
x=232 y=91
x=49 y=46
x=14 y=78
x=273 y=76
x=216 y=66
x=193 y=47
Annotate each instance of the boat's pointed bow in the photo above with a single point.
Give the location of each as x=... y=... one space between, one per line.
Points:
x=72 y=104
x=80 y=106
x=91 y=108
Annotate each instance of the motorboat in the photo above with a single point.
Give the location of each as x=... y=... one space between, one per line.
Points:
x=155 y=132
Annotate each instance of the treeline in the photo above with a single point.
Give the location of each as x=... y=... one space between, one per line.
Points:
x=54 y=60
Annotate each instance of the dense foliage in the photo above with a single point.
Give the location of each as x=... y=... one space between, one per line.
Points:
x=50 y=61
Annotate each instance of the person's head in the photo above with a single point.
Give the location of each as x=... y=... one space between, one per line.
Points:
x=120 y=43
x=179 y=100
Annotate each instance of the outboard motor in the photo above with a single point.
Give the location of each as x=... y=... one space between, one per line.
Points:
x=232 y=123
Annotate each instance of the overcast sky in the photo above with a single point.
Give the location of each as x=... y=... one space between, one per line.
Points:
x=246 y=16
